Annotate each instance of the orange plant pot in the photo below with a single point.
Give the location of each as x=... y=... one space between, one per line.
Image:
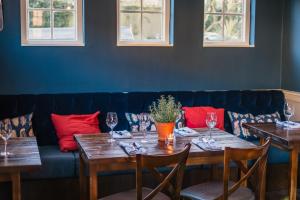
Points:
x=164 y=130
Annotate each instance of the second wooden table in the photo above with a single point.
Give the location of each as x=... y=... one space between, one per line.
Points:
x=97 y=155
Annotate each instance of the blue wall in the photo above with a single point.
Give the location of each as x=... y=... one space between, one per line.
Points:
x=102 y=66
x=291 y=62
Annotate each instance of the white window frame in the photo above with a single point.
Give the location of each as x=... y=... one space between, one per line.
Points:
x=246 y=28
x=166 y=41
x=79 y=41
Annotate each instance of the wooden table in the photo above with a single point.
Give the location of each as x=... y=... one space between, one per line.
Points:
x=25 y=158
x=97 y=155
x=284 y=139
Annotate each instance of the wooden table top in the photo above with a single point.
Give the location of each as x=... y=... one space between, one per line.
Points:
x=25 y=155
x=285 y=137
x=95 y=147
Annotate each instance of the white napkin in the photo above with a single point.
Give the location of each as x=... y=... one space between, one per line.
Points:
x=121 y=135
x=206 y=145
x=288 y=124
x=186 y=132
x=132 y=148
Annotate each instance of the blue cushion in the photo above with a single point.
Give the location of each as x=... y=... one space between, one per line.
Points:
x=55 y=164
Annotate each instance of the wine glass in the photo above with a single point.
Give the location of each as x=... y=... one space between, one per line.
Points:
x=111 y=122
x=289 y=111
x=5 y=134
x=144 y=123
x=211 y=122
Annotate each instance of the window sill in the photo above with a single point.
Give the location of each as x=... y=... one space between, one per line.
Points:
x=143 y=44
x=47 y=43
x=228 y=45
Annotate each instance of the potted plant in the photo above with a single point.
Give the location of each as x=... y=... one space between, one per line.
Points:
x=164 y=113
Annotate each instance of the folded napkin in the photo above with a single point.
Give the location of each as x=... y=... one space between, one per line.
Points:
x=132 y=148
x=206 y=145
x=288 y=124
x=121 y=135
x=186 y=132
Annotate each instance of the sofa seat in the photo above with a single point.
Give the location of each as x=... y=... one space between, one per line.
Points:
x=276 y=155
x=55 y=164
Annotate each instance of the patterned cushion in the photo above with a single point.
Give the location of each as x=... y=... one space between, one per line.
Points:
x=133 y=120
x=21 y=126
x=267 y=118
x=134 y=123
x=180 y=121
x=237 y=121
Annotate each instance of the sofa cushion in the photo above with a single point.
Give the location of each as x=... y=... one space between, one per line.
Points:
x=267 y=118
x=55 y=164
x=21 y=126
x=134 y=122
x=67 y=126
x=237 y=121
x=196 y=116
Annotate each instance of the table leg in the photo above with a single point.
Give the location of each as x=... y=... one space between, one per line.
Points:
x=16 y=186
x=262 y=177
x=293 y=174
x=93 y=184
x=82 y=179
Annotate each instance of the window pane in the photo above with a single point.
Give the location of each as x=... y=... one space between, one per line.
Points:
x=152 y=26
x=213 y=6
x=130 y=5
x=64 y=4
x=39 y=24
x=213 y=30
x=64 y=25
x=233 y=6
x=153 y=5
x=233 y=28
x=39 y=3
x=130 y=26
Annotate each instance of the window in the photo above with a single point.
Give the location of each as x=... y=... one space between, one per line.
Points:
x=144 y=22
x=227 y=23
x=52 y=22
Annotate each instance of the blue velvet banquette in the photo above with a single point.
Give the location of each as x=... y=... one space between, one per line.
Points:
x=64 y=165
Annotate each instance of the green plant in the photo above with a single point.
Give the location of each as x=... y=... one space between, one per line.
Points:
x=165 y=110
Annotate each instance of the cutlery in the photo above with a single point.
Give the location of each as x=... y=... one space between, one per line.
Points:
x=119 y=133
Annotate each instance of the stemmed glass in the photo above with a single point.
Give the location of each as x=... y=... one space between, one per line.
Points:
x=5 y=134
x=211 y=122
x=143 y=124
x=289 y=111
x=111 y=122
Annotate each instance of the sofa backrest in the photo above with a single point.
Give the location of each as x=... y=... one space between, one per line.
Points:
x=256 y=102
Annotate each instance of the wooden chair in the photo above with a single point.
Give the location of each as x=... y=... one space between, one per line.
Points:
x=227 y=189
x=151 y=163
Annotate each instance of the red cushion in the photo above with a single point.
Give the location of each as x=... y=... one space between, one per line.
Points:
x=196 y=116
x=68 y=125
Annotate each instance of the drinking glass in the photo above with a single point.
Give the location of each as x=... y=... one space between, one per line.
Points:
x=144 y=123
x=289 y=111
x=211 y=122
x=5 y=134
x=111 y=122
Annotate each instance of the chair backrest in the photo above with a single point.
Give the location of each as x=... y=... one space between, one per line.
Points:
x=259 y=154
x=151 y=163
